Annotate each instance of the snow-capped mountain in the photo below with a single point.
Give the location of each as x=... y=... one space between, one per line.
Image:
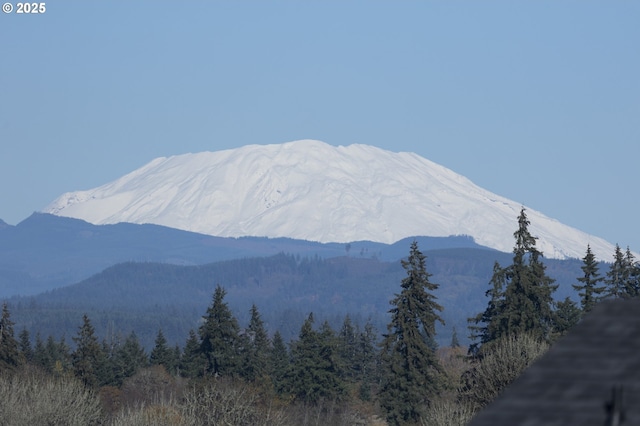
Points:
x=314 y=191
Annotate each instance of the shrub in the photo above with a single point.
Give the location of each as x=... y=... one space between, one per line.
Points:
x=499 y=364
x=220 y=401
x=446 y=412
x=31 y=397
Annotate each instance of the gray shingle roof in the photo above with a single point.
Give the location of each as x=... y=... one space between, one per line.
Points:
x=573 y=382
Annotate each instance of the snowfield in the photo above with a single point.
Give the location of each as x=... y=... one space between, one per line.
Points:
x=313 y=191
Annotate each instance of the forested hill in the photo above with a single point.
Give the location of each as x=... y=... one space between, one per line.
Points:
x=145 y=297
x=44 y=252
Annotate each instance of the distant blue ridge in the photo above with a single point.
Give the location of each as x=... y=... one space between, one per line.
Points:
x=45 y=251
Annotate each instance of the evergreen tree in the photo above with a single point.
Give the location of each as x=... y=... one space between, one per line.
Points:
x=348 y=349
x=567 y=315
x=521 y=299
x=64 y=357
x=256 y=348
x=219 y=337
x=53 y=355
x=58 y=356
x=278 y=362
x=455 y=343
x=589 y=291
x=367 y=360
x=411 y=372
x=616 y=276
x=528 y=296
x=314 y=372
x=623 y=277
x=25 y=345
x=10 y=356
x=176 y=355
x=40 y=353
x=128 y=358
x=193 y=362
x=88 y=358
x=161 y=354
x=108 y=372
x=493 y=321
x=632 y=275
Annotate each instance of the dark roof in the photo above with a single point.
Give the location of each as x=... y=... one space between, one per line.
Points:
x=573 y=383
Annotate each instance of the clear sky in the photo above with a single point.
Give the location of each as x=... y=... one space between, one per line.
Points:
x=536 y=101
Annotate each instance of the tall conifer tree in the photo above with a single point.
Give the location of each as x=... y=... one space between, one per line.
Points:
x=521 y=294
x=39 y=353
x=220 y=337
x=348 y=349
x=161 y=354
x=193 y=362
x=255 y=348
x=314 y=372
x=412 y=375
x=278 y=362
x=493 y=321
x=566 y=316
x=616 y=276
x=126 y=360
x=367 y=360
x=88 y=358
x=589 y=291
x=528 y=296
x=632 y=275
x=10 y=356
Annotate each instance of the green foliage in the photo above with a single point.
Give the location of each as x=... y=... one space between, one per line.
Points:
x=455 y=343
x=10 y=355
x=632 y=282
x=623 y=277
x=193 y=362
x=145 y=297
x=528 y=296
x=161 y=354
x=126 y=360
x=278 y=362
x=368 y=360
x=348 y=349
x=88 y=358
x=589 y=290
x=411 y=372
x=567 y=315
x=219 y=337
x=58 y=356
x=255 y=348
x=521 y=299
x=617 y=275
x=40 y=354
x=494 y=321
x=358 y=355
x=24 y=343
x=314 y=372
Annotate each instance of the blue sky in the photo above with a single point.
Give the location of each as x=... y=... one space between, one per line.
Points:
x=536 y=101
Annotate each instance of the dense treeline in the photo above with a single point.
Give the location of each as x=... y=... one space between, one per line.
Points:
x=223 y=373
x=322 y=369
x=145 y=297
x=522 y=319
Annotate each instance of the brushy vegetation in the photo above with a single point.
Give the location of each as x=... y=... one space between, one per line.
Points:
x=228 y=375
x=31 y=397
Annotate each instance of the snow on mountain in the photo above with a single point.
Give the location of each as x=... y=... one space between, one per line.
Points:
x=314 y=191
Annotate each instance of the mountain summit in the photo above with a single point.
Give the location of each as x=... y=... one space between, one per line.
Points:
x=314 y=191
